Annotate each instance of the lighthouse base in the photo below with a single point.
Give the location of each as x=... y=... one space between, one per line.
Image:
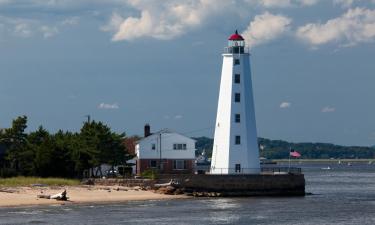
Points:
x=243 y=185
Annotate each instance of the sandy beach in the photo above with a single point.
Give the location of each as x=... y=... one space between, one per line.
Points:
x=23 y=196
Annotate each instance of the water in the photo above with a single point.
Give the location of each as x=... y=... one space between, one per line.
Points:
x=342 y=195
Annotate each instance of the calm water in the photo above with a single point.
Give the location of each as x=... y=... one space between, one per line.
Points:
x=342 y=195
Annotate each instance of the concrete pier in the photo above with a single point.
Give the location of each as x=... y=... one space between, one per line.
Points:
x=244 y=185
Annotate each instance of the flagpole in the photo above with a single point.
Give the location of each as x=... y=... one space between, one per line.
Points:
x=290 y=149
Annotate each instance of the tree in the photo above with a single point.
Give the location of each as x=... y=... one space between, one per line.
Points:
x=15 y=140
x=101 y=146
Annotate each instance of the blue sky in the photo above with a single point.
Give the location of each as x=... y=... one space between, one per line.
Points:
x=131 y=62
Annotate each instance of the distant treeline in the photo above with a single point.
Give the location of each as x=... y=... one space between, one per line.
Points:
x=277 y=149
x=62 y=154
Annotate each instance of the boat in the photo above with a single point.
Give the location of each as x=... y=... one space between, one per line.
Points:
x=349 y=164
x=326 y=168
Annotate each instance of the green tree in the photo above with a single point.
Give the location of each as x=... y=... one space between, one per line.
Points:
x=101 y=146
x=14 y=140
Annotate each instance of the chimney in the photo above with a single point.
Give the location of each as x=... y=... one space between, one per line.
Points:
x=147 y=130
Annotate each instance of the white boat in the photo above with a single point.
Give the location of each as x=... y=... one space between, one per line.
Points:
x=326 y=168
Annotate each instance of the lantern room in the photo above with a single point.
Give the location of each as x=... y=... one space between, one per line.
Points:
x=236 y=44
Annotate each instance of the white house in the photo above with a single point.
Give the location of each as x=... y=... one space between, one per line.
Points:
x=165 y=151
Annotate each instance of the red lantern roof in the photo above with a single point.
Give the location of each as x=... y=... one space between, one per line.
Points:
x=235 y=37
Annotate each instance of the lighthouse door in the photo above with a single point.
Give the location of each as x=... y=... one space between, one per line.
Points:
x=238 y=168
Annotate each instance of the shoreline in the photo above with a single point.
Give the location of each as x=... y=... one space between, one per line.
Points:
x=81 y=194
x=323 y=160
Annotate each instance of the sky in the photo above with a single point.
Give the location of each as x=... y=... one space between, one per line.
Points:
x=131 y=62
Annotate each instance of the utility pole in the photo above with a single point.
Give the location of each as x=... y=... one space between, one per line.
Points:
x=160 y=163
x=88 y=118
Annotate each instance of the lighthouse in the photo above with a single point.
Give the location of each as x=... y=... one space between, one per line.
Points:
x=235 y=149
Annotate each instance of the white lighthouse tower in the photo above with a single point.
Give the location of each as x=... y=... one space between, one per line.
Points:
x=235 y=148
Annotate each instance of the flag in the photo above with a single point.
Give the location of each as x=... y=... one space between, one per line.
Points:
x=294 y=153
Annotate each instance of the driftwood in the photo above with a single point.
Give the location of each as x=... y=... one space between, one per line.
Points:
x=7 y=190
x=61 y=196
x=44 y=196
x=170 y=183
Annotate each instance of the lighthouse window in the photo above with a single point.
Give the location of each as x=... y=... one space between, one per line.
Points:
x=237 y=118
x=236 y=62
x=238 y=168
x=237 y=78
x=237 y=97
x=153 y=146
x=238 y=140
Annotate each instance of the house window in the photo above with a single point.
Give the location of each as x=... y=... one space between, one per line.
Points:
x=179 y=164
x=238 y=140
x=236 y=62
x=179 y=146
x=237 y=118
x=153 y=164
x=237 y=78
x=237 y=97
x=153 y=146
x=238 y=168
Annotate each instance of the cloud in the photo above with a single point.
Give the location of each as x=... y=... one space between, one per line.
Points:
x=285 y=105
x=22 y=29
x=70 y=21
x=372 y=136
x=26 y=28
x=266 y=27
x=308 y=2
x=163 y=20
x=345 y=3
x=355 y=26
x=108 y=106
x=328 y=109
x=177 y=117
x=282 y=3
x=276 y=3
x=48 y=31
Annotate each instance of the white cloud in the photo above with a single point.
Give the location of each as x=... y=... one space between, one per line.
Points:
x=285 y=105
x=22 y=29
x=372 y=136
x=70 y=21
x=49 y=32
x=163 y=19
x=344 y=3
x=266 y=27
x=177 y=117
x=328 y=109
x=355 y=26
x=108 y=106
x=308 y=2
x=276 y=3
x=26 y=28
x=282 y=3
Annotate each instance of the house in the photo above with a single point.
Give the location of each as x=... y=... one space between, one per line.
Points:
x=165 y=151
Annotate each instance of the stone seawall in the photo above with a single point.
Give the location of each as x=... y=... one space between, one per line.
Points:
x=243 y=185
x=120 y=182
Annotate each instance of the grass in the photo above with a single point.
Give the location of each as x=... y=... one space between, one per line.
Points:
x=28 y=181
